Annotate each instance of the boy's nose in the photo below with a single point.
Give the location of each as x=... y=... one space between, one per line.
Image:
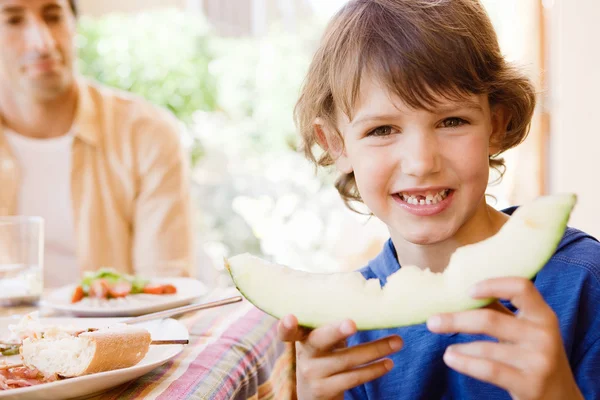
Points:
x=421 y=155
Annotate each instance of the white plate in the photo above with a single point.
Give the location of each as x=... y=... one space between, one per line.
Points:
x=100 y=382
x=188 y=290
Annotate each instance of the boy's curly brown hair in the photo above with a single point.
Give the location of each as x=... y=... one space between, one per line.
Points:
x=419 y=50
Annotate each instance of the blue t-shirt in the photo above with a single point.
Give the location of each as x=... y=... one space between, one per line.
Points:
x=569 y=283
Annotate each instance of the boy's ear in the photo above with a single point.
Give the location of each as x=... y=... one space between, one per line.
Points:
x=333 y=144
x=500 y=120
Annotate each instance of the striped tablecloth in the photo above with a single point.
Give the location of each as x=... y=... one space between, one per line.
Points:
x=233 y=354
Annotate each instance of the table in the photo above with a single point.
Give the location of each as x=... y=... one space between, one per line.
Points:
x=233 y=354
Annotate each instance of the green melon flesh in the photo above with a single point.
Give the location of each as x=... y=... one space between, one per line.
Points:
x=521 y=248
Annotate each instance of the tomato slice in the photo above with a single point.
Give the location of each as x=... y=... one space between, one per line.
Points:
x=153 y=289
x=77 y=294
x=159 y=289
x=169 y=289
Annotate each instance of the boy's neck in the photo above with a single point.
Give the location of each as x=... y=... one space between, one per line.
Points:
x=40 y=119
x=485 y=223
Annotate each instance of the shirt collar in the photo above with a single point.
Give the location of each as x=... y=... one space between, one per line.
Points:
x=86 y=124
x=386 y=262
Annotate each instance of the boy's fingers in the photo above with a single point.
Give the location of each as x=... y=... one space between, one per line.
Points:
x=327 y=337
x=496 y=373
x=509 y=354
x=356 y=356
x=497 y=306
x=504 y=327
x=521 y=292
x=347 y=380
x=289 y=331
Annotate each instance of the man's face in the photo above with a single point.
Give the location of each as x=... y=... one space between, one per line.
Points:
x=38 y=52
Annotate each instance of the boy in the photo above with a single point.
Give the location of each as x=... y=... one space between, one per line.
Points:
x=413 y=102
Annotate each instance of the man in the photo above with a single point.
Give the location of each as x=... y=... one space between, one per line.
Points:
x=105 y=169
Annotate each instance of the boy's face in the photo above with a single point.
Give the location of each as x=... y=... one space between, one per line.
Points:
x=422 y=173
x=37 y=42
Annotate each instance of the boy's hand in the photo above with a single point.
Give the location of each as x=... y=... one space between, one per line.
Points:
x=529 y=361
x=326 y=367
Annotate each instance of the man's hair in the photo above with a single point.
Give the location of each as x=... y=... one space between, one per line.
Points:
x=419 y=50
x=73 y=4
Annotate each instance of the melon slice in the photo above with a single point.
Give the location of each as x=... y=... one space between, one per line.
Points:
x=521 y=248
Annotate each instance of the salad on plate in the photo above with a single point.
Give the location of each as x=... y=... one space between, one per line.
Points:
x=106 y=283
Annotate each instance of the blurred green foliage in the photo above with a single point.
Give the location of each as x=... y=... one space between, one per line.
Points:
x=259 y=81
x=173 y=59
x=163 y=56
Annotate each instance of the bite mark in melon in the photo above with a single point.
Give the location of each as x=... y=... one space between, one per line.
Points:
x=411 y=295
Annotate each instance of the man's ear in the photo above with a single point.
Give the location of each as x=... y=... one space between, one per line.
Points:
x=500 y=120
x=332 y=143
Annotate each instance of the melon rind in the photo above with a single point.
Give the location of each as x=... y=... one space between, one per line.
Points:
x=521 y=248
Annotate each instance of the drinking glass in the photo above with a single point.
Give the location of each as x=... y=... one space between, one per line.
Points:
x=21 y=260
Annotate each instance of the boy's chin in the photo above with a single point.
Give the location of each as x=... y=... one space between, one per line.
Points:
x=424 y=241
x=426 y=238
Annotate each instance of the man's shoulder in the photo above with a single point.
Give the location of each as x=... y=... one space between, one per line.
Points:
x=131 y=116
x=125 y=102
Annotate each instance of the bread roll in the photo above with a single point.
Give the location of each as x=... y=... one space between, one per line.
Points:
x=69 y=355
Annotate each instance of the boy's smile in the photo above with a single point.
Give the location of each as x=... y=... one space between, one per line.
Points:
x=422 y=172
x=424 y=201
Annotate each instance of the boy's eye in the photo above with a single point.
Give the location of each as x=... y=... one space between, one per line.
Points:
x=453 y=122
x=381 y=131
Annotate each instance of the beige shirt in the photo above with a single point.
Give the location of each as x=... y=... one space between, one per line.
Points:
x=129 y=185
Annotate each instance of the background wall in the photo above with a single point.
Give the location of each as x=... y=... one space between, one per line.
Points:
x=574 y=105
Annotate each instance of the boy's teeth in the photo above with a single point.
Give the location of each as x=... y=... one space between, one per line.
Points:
x=429 y=198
